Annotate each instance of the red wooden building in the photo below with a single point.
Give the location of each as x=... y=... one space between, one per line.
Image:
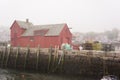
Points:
x=24 y=33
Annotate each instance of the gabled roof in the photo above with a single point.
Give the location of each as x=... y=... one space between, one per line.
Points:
x=53 y=29
x=40 y=32
x=24 y=24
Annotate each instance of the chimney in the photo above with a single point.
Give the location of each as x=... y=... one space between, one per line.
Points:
x=27 y=20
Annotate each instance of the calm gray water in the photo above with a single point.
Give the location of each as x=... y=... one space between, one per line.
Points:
x=17 y=75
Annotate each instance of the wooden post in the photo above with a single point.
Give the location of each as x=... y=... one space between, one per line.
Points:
x=55 y=66
x=26 y=56
x=50 y=58
x=0 y=55
x=54 y=59
x=4 y=52
x=62 y=60
x=17 y=53
x=38 y=54
x=105 y=70
x=9 y=52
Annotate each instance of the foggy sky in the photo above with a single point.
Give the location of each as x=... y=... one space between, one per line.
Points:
x=81 y=15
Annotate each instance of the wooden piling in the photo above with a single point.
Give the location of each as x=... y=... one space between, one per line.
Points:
x=26 y=57
x=37 y=59
x=50 y=58
x=4 y=52
x=60 y=61
x=1 y=55
x=55 y=59
x=17 y=53
x=7 y=56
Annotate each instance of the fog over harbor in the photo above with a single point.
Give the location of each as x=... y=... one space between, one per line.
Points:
x=80 y=15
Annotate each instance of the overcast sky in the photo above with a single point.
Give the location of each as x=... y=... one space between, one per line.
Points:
x=81 y=15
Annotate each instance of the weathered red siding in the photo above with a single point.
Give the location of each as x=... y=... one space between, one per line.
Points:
x=66 y=35
x=15 y=33
x=44 y=42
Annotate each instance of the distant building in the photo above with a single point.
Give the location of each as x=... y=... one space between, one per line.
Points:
x=118 y=38
x=116 y=46
x=25 y=33
x=101 y=38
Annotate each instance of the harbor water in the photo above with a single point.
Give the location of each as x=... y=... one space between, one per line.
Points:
x=22 y=75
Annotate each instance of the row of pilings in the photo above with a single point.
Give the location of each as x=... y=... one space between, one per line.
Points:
x=60 y=61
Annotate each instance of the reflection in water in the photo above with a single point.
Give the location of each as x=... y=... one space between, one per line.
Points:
x=15 y=75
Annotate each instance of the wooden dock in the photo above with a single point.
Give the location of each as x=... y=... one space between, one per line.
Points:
x=61 y=62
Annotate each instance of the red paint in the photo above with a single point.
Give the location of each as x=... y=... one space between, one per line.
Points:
x=33 y=41
x=15 y=33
